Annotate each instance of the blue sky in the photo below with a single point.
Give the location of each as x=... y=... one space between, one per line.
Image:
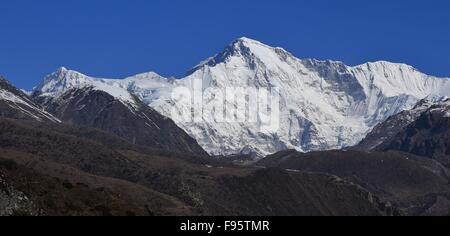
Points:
x=115 y=39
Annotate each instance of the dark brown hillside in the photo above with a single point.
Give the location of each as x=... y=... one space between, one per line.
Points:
x=428 y=136
x=42 y=187
x=160 y=185
x=414 y=184
x=86 y=155
x=278 y=192
x=140 y=125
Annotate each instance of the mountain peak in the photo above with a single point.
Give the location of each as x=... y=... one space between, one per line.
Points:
x=64 y=75
x=245 y=48
x=146 y=76
x=62 y=80
x=383 y=65
x=2 y=79
x=250 y=44
x=62 y=69
x=247 y=40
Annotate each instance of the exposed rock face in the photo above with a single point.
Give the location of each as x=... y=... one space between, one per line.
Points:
x=423 y=130
x=392 y=126
x=134 y=121
x=428 y=135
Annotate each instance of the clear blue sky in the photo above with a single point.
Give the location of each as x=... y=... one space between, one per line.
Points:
x=124 y=37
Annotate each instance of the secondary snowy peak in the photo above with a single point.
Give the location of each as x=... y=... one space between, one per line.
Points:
x=63 y=80
x=399 y=79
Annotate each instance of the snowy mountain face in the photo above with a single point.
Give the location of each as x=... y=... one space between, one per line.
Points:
x=16 y=104
x=300 y=104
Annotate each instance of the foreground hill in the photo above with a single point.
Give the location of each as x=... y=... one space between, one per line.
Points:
x=423 y=130
x=34 y=186
x=416 y=185
x=427 y=136
x=407 y=164
x=63 y=174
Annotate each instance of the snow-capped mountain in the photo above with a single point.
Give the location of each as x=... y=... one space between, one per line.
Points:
x=78 y=99
x=323 y=104
x=16 y=104
x=63 y=80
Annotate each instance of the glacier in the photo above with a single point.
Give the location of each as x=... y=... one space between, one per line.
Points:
x=324 y=105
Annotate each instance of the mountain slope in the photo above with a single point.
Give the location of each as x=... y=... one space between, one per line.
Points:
x=428 y=135
x=323 y=104
x=385 y=131
x=50 y=189
x=16 y=104
x=417 y=186
x=114 y=110
x=65 y=174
